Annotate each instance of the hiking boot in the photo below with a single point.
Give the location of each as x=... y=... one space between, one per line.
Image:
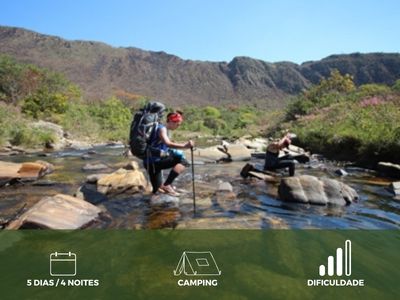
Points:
x=168 y=189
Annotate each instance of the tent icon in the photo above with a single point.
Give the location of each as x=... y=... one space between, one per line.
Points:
x=197 y=264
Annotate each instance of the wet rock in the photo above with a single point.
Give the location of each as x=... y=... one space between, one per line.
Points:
x=93 y=178
x=163 y=199
x=210 y=154
x=341 y=172
x=123 y=180
x=94 y=167
x=256 y=145
x=78 y=145
x=313 y=190
x=389 y=169
x=57 y=212
x=132 y=165
x=235 y=152
x=25 y=171
x=226 y=200
x=225 y=187
x=394 y=187
x=250 y=171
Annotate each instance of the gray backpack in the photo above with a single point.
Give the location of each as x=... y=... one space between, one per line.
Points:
x=143 y=126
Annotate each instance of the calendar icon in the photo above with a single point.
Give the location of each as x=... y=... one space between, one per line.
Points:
x=62 y=264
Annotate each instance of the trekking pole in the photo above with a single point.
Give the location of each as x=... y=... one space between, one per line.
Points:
x=194 y=192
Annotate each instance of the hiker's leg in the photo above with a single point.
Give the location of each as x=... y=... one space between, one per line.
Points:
x=155 y=177
x=286 y=164
x=271 y=161
x=178 y=169
x=175 y=164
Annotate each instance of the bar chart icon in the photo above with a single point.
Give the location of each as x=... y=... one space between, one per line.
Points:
x=342 y=264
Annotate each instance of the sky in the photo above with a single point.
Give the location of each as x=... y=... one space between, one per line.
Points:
x=218 y=30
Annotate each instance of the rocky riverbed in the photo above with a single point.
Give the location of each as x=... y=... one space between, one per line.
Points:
x=224 y=199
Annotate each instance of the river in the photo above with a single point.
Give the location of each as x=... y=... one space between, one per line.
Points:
x=253 y=204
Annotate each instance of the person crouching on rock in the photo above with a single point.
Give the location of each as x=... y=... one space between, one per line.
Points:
x=162 y=157
x=272 y=160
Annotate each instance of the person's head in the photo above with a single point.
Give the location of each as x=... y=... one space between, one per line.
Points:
x=174 y=120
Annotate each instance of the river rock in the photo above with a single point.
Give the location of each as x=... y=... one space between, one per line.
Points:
x=123 y=180
x=235 y=152
x=256 y=145
x=250 y=170
x=79 y=145
x=57 y=212
x=225 y=187
x=210 y=154
x=164 y=199
x=25 y=171
x=313 y=190
x=93 y=178
x=394 y=187
x=94 y=167
x=389 y=169
x=341 y=172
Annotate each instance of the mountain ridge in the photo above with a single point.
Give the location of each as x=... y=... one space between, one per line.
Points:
x=102 y=70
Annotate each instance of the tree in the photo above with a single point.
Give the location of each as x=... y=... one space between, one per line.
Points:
x=10 y=73
x=335 y=83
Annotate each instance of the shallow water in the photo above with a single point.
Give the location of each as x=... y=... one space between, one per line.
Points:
x=253 y=203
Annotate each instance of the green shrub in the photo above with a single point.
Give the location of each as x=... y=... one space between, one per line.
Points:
x=108 y=120
x=369 y=90
x=396 y=86
x=22 y=135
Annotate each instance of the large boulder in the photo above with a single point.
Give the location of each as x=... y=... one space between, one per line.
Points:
x=58 y=132
x=127 y=179
x=57 y=212
x=313 y=190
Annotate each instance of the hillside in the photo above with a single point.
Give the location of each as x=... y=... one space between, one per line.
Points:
x=101 y=70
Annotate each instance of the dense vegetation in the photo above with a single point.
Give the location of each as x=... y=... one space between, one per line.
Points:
x=29 y=93
x=334 y=117
x=345 y=122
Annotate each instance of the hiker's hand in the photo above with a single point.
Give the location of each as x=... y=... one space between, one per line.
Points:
x=189 y=144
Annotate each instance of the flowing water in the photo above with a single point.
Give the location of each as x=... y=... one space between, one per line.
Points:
x=252 y=204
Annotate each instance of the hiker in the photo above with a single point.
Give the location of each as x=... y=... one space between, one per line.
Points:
x=272 y=159
x=162 y=157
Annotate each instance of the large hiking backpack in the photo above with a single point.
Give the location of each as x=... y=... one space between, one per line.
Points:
x=142 y=127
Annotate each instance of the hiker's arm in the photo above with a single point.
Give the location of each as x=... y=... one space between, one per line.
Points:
x=284 y=142
x=164 y=137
